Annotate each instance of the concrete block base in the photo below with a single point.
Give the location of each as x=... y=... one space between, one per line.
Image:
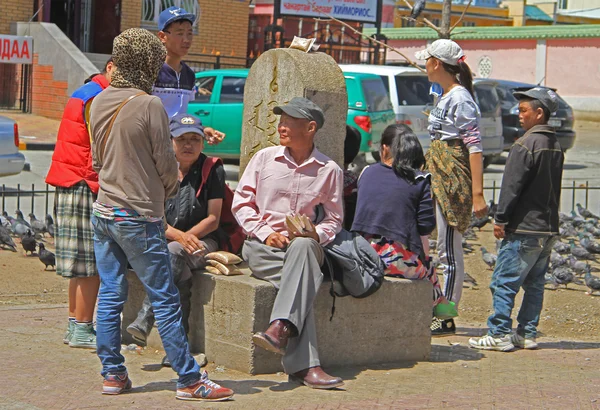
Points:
x=389 y=326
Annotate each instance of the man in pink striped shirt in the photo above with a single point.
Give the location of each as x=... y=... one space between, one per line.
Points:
x=291 y=179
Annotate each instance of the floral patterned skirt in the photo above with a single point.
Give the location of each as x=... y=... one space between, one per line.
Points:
x=402 y=263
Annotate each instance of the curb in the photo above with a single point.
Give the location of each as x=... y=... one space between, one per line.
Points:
x=36 y=146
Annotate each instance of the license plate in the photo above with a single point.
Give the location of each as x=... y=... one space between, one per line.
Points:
x=554 y=122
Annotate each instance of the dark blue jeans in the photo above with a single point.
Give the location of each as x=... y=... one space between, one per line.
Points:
x=522 y=262
x=144 y=246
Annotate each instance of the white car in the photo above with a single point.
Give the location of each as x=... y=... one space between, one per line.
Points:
x=11 y=160
x=408 y=88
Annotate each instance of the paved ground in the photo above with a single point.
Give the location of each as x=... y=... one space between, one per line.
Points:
x=561 y=375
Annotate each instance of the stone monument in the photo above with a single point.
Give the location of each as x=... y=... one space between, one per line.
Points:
x=280 y=75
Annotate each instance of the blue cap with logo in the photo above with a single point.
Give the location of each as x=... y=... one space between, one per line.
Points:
x=173 y=14
x=184 y=123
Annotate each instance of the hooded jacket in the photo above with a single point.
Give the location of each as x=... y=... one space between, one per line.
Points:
x=72 y=158
x=530 y=193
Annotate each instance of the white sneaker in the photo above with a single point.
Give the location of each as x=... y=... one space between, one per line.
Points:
x=487 y=342
x=522 y=342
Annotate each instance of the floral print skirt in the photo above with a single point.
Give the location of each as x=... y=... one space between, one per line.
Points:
x=402 y=263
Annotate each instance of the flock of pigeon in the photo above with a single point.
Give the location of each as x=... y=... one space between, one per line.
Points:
x=569 y=262
x=29 y=233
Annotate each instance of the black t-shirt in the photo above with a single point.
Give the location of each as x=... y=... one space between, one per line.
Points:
x=186 y=209
x=215 y=184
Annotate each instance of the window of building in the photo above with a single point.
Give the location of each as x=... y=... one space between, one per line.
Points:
x=408 y=23
x=437 y=22
x=151 y=9
x=468 y=23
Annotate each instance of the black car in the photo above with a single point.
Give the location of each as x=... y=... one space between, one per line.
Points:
x=562 y=120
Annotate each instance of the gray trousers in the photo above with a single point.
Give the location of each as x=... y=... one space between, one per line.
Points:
x=296 y=272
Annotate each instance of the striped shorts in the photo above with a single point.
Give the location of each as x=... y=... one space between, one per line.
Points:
x=74 y=234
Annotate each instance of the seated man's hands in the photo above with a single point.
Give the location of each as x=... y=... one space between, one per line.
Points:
x=213 y=137
x=277 y=240
x=190 y=243
x=300 y=226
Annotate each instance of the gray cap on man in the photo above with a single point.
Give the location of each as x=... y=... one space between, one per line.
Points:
x=300 y=107
x=546 y=96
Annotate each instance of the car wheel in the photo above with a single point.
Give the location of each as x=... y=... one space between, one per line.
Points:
x=376 y=155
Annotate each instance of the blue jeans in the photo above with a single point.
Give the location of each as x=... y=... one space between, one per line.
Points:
x=144 y=246
x=522 y=262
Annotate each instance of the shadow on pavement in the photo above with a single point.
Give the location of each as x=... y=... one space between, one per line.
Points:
x=568 y=345
x=445 y=354
x=242 y=387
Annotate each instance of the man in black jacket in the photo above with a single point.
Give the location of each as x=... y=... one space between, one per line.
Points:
x=527 y=220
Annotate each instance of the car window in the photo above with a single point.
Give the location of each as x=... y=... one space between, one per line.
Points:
x=232 y=90
x=204 y=88
x=487 y=99
x=505 y=94
x=376 y=95
x=386 y=82
x=413 y=90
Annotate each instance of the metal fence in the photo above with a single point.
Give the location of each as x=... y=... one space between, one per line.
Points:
x=41 y=201
x=203 y=62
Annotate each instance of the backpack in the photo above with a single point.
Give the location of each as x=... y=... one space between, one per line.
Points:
x=230 y=233
x=354 y=266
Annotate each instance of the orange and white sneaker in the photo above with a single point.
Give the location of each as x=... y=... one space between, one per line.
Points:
x=116 y=384
x=205 y=390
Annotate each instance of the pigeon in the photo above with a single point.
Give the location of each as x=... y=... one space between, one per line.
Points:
x=591 y=281
x=567 y=230
x=492 y=208
x=479 y=222
x=563 y=218
x=6 y=240
x=589 y=227
x=577 y=220
x=470 y=234
x=5 y=222
x=585 y=212
x=589 y=245
x=556 y=260
x=28 y=243
x=46 y=257
x=488 y=258
x=579 y=252
x=563 y=276
x=20 y=218
x=579 y=266
x=466 y=247
x=50 y=225
x=418 y=7
x=37 y=225
x=561 y=247
x=470 y=279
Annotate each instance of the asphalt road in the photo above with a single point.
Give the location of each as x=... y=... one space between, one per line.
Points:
x=582 y=165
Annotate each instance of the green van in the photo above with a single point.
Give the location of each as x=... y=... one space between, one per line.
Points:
x=219 y=99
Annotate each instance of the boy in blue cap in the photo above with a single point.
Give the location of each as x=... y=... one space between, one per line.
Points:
x=176 y=80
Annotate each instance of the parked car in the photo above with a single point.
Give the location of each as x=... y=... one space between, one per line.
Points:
x=409 y=93
x=219 y=103
x=11 y=160
x=562 y=120
x=490 y=125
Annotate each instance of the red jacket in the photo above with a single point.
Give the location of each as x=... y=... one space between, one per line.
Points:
x=72 y=158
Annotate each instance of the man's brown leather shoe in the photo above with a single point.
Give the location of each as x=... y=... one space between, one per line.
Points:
x=275 y=339
x=316 y=378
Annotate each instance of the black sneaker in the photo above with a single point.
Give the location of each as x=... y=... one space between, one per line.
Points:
x=442 y=327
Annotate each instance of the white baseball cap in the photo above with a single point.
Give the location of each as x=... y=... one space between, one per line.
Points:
x=444 y=50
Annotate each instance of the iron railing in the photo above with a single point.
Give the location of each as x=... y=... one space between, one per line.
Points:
x=15 y=86
x=203 y=62
x=40 y=200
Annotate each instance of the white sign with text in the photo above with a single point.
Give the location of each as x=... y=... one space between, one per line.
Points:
x=353 y=10
x=16 y=49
